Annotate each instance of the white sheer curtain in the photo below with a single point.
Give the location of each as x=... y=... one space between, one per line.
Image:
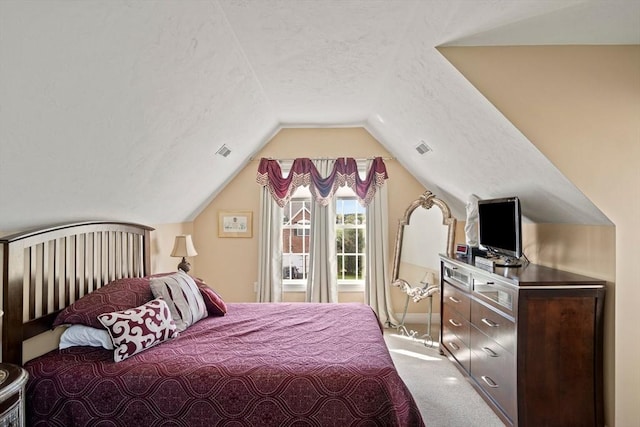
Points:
x=270 y=249
x=322 y=282
x=376 y=287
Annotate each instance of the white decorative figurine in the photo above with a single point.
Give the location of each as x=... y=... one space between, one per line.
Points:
x=471 y=226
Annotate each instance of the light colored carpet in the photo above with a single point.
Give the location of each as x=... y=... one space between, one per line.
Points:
x=444 y=396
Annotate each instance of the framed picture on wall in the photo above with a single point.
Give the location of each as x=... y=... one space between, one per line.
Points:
x=235 y=224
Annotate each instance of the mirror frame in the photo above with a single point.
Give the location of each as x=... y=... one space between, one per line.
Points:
x=426 y=200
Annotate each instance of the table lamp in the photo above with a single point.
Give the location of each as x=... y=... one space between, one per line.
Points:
x=183 y=247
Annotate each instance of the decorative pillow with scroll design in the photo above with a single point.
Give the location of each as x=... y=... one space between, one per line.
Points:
x=138 y=329
x=117 y=295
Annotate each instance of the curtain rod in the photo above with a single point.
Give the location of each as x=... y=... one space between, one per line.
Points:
x=253 y=159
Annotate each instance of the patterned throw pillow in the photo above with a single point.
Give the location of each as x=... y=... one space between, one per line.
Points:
x=118 y=295
x=215 y=304
x=138 y=329
x=182 y=296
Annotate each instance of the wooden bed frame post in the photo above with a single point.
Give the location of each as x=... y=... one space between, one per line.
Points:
x=146 y=252
x=12 y=296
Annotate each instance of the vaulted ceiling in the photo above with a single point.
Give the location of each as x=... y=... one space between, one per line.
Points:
x=110 y=108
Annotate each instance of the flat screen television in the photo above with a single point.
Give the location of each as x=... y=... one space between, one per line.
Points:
x=500 y=229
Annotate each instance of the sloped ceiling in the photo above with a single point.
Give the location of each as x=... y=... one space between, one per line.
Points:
x=110 y=109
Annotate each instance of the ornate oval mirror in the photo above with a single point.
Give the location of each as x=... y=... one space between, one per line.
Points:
x=424 y=232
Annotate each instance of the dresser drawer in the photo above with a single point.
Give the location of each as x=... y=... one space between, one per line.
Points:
x=494 y=325
x=454 y=322
x=459 y=276
x=457 y=299
x=499 y=294
x=493 y=368
x=457 y=348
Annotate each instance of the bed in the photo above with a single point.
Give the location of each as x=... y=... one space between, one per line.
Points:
x=254 y=364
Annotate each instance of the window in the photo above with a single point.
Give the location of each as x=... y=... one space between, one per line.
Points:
x=295 y=240
x=350 y=242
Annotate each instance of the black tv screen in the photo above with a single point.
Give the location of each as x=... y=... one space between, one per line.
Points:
x=500 y=226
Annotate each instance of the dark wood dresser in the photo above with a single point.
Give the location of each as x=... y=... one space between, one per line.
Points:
x=529 y=339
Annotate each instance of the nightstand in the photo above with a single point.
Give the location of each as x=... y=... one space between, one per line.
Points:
x=12 y=382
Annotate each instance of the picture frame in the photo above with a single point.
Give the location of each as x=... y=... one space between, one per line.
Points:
x=235 y=224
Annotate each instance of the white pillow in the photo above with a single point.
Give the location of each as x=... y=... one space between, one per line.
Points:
x=81 y=335
x=183 y=297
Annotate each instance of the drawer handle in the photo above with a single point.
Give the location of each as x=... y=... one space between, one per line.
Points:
x=489 y=352
x=454 y=323
x=489 y=381
x=484 y=284
x=454 y=346
x=456 y=300
x=489 y=323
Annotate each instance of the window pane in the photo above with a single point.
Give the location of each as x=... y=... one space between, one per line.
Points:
x=350 y=242
x=349 y=211
x=350 y=267
x=360 y=267
x=295 y=236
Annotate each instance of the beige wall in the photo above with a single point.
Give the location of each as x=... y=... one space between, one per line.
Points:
x=580 y=105
x=230 y=264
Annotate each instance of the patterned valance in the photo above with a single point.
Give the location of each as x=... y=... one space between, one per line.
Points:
x=303 y=172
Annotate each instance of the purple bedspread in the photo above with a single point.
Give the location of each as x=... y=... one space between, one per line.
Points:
x=286 y=364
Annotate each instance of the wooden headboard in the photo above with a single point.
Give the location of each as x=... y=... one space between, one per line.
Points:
x=45 y=270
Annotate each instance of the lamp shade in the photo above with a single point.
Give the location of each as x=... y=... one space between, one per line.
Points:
x=429 y=279
x=183 y=247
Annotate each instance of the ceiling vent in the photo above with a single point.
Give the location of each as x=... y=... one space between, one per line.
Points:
x=223 y=151
x=423 y=148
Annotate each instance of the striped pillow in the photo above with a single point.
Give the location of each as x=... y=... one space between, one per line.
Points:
x=182 y=296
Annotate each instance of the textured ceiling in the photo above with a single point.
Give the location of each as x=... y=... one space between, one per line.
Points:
x=109 y=108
